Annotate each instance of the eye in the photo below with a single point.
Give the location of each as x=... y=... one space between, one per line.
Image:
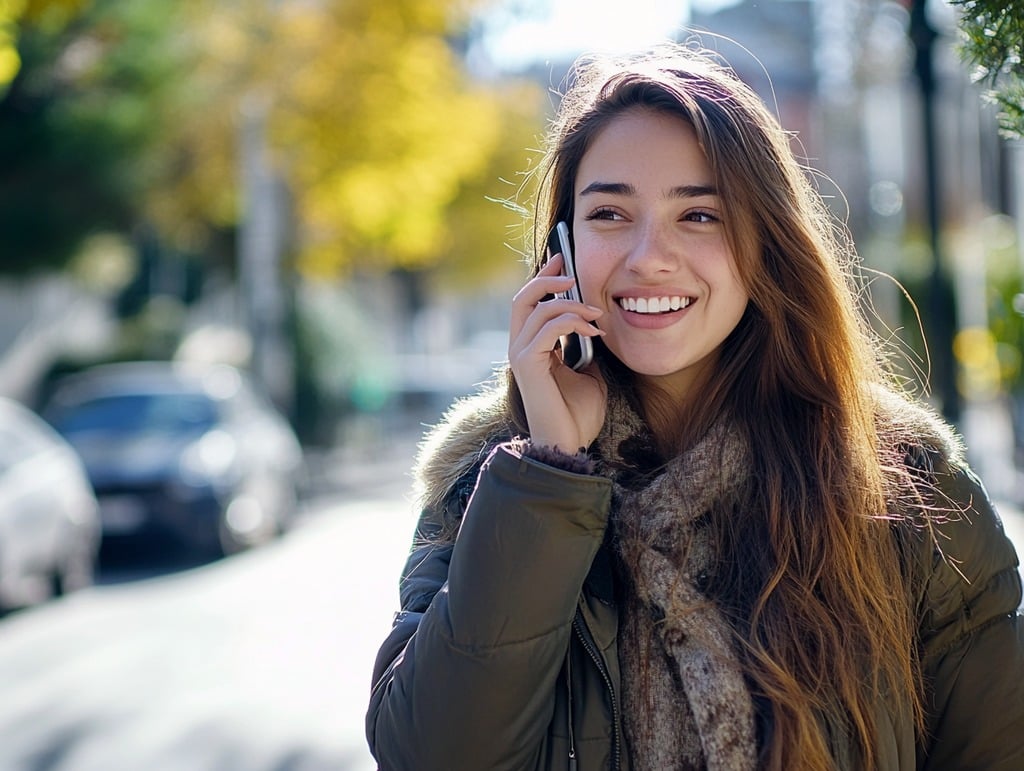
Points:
x=702 y=217
x=603 y=213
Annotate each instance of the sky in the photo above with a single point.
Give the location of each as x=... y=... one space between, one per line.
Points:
x=554 y=29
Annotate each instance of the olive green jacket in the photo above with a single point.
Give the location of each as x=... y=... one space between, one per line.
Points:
x=504 y=653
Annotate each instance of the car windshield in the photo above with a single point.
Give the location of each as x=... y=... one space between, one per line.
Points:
x=167 y=413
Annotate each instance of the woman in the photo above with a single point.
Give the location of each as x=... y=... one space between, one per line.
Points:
x=727 y=543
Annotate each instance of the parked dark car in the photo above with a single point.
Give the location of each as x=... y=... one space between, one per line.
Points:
x=49 y=523
x=187 y=454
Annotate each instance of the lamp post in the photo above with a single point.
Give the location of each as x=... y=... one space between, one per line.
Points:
x=940 y=319
x=261 y=242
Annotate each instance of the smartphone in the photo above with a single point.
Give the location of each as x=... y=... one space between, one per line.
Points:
x=577 y=350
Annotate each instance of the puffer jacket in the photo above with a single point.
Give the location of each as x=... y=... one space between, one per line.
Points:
x=504 y=653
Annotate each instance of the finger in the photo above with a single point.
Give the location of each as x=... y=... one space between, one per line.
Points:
x=533 y=293
x=538 y=340
x=543 y=286
x=552 y=265
x=558 y=317
x=551 y=270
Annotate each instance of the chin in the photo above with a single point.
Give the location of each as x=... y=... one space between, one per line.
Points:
x=651 y=368
x=673 y=374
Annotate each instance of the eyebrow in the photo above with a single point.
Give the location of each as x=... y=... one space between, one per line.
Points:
x=626 y=189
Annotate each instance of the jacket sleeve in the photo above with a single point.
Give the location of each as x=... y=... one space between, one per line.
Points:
x=972 y=634
x=465 y=680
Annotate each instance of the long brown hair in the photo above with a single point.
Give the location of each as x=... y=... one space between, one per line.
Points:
x=822 y=619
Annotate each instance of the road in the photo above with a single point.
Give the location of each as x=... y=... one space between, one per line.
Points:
x=259 y=662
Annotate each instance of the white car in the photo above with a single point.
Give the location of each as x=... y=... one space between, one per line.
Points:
x=49 y=517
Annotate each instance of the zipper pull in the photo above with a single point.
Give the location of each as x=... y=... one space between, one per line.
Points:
x=572 y=760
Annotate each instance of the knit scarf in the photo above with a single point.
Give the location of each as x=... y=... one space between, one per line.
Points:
x=684 y=701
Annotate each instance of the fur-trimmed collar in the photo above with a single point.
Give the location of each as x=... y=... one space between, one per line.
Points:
x=909 y=423
x=472 y=426
x=460 y=441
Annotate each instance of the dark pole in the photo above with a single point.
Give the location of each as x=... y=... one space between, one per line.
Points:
x=940 y=319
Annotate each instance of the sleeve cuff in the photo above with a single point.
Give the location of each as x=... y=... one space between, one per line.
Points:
x=577 y=463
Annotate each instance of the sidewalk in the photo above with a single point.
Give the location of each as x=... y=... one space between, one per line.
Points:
x=374 y=459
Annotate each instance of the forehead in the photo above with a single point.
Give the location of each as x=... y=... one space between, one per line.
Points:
x=644 y=146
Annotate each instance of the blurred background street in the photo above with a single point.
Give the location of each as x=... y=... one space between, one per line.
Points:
x=257 y=662
x=249 y=250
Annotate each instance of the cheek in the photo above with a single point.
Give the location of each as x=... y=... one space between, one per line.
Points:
x=738 y=299
x=590 y=288
x=592 y=270
x=736 y=293
x=718 y=265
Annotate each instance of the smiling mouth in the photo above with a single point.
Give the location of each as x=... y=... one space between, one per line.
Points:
x=651 y=305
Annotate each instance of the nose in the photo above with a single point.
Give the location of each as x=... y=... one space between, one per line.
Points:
x=652 y=252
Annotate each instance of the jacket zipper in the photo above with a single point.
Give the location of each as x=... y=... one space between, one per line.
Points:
x=579 y=625
x=572 y=729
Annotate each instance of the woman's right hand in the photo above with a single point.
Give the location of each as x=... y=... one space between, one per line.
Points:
x=564 y=408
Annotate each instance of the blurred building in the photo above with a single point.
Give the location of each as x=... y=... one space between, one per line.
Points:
x=842 y=75
x=771 y=45
x=846 y=77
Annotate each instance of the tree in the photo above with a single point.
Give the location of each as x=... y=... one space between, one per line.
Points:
x=993 y=32
x=117 y=114
x=377 y=127
x=84 y=100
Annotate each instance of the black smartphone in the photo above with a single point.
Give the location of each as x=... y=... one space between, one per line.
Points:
x=577 y=350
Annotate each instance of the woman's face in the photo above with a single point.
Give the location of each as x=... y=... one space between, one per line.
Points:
x=651 y=249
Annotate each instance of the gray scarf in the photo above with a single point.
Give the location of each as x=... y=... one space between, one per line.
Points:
x=685 y=704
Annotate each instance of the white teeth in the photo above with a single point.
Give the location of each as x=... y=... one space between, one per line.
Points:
x=653 y=304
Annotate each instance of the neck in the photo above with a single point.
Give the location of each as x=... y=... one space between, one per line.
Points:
x=675 y=405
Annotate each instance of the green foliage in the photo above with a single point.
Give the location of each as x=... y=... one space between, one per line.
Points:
x=76 y=124
x=114 y=114
x=493 y=202
x=381 y=132
x=993 y=42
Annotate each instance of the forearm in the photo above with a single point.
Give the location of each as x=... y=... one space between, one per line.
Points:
x=474 y=684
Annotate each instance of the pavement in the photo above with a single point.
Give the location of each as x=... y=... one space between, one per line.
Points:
x=260 y=661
